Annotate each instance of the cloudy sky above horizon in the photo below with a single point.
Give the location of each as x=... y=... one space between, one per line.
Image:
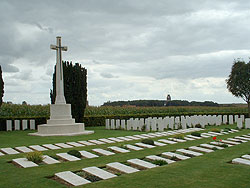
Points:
x=132 y=49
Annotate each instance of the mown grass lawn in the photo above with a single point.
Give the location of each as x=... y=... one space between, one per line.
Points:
x=210 y=170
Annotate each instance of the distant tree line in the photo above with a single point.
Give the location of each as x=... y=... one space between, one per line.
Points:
x=160 y=103
x=1 y=86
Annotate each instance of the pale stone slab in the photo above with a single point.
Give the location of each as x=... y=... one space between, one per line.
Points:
x=67 y=157
x=167 y=141
x=189 y=139
x=75 y=144
x=95 y=171
x=200 y=149
x=234 y=130
x=171 y=154
x=118 y=150
x=237 y=140
x=159 y=143
x=49 y=160
x=148 y=135
x=88 y=155
x=241 y=161
x=219 y=144
x=106 y=140
x=205 y=136
x=9 y=125
x=96 y=142
x=9 y=151
x=144 y=145
x=63 y=145
x=24 y=124
x=23 y=149
x=23 y=162
x=86 y=143
x=133 y=147
x=190 y=153
x=38 y=148
x=194 y=137
x=246 y=157
x=177 y=140
x=32 y=124
x=103 y=152
x=121 y=168
x=72 y=178
x=132 y=137
x=242 y=138
x=209 y=134
x=141 y=137
x=51 y=146
x=124 y=138
x=1 y=154
x=210 y=146
x=155 y=157
x=17 y=125
x=140 y=164
x=218 y=134
x=115 y=139
x=230 y=142
x=248 y=136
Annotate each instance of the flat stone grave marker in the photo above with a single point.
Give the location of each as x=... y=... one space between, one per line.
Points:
x=210 y=146
x=167 y=141
x=24 y=163
x=133 y=147
x=49 y=160
x=219 y=144
x=24 y=149
x=195 y=137
x=200 y=149
x=208 y=134
x=63 y=145
x=159 y=143
x=237 y=140
x=96 y=142
x=132 y=137
x=246 y=157
x=121 y=168
x=140 y=164
x=38 y=148
x=241 y=161
x=242 y=138
x=75 y=144
x=144 y=145
x=71 y=178
x=177 y=140
x=106 y=140
x=215 y=133
x=100 y=173
x=115 y=139
x=234 y=130
x=189 y=139
x=86 y=143
x=88 y=155
x=51 y=146
x=248 y=136
x=103 y=152
x=118 y=150
x=171 y=154
x=230 y=142
x=2 y=154
x=223 y=132
x=124 y=138
x=205 y=136
x=190 y=153
x=148 y=135
x=141 y=137
x=9 y=151
x=155 y=157
x=67 y=157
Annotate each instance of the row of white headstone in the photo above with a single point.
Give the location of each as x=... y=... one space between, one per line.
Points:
x=20 y=125
x=160 y=124
x=240 y=123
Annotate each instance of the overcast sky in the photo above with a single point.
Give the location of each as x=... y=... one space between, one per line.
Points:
x=132 y=49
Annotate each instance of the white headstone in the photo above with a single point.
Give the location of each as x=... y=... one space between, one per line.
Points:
x=24 y=124
x=112 y=126
x=107 y=124
x=243 y=118
x=32 y=124
x=17 y=125
x=247 y=123
x=117 y=124
x=231 y=120
x=9 y=125
x=236 y=118
x=239 y=123
x=225 y=119
x=123 y=124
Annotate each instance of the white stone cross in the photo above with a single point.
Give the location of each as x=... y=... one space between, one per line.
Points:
x=60 y=99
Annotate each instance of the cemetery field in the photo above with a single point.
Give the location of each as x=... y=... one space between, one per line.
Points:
x=209 y=170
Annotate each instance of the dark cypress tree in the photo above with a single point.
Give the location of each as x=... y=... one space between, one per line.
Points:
x=1 y=86
x=75 y=88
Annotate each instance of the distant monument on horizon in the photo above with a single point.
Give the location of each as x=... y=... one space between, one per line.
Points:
x=168 y=97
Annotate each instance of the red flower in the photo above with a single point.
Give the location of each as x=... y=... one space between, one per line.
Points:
x=214 y=138
x=220 y=140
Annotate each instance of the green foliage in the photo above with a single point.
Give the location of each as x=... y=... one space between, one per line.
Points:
x=179 y=136
x=36 y=156
x=123 y=146
x=216 y=130
x=148 y=141
x=159 y=162
x=75 y=88
x=196 y=134
x=214 y=148
x=1 y=86
x=224 y=145
x=228 y=129
x=238 y=82
x=174 y=158
x=75 y=153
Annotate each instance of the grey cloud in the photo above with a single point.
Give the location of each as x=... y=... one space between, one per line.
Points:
x=108 y=75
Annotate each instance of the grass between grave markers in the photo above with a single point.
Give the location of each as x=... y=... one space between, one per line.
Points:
x=209 y=170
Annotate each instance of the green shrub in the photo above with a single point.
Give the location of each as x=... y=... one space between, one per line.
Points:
x=174 y=158
x=214 y=148
x=160 y=162
x=143 y=128
x=75 y=153
x=123 y=146
x=148 y=141
x=228 y=129
x=196 y=134
x=224 y=145
x=198 y=126
x=36 y=156
x=215 y=130
x=179 y=136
